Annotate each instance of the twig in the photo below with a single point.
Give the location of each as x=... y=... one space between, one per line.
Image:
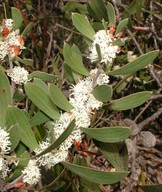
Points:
x=154 y=76
x=141 y=112
x=149 y=119
x=58 y=25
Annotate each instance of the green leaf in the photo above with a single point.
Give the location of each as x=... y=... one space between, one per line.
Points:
x=27 y=29
x=137 y=64
x=5 y=97
x=138 y=8
x=16 y=116
x=111 y=14
x=17 y=17
x=121 y=25
x=59 y=140
x=118 y=42
x=38 y=119
x=42 y=100
x=108 y=134
x=82 y=25
x=152 y=188
x=99 y=9
x=130 y=101
x=41 y=84
x=2 y=68
x=15 y=134
x=102 y=93
x=116 y=156
x=59 y=98
x=25 y=61
x=22 y=163
x=42 y=75
x=96 y=176
x=73 y=59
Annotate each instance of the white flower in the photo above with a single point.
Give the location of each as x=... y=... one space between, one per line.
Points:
x=62 y=124
x=48 y=158
x=102 y=79
x=3 y=168
x=130 y=56
x=9 y=23
x=3 y=50
x=4 y=142
x=105 y=42
x=19 y=75
x=31 y=174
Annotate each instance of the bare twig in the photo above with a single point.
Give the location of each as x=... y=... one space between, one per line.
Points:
x=149 y=119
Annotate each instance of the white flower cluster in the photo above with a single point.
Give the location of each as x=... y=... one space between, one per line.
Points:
x=31 y=174
x=4 y=149
x=11 y=43
x=19 y=75
x=104 y=39
x=84 y=104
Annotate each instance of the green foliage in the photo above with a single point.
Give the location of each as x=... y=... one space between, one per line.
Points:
x=121 y=25
x=96 y=176
x=16 y=116
x=73 y=58
x=111 y=14
x=42 y=100
x=5 y=98
x=58 y=98
x=108 y=134
x=15 y=135
x=152 y=188
x=99 y=9
x=130 y=101
x=27 y=29
x=115 y=153
x=103 y=93
x=42 y=75
x=83 y=26
x=17 y=17
x=137 y=64
x=60 y=140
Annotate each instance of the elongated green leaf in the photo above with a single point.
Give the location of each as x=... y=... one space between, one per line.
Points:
x=94 y=175
x=121 y=25
x=111 y=14
x=2 y=68
x=42 y=100
x=17 y=17
x=59 y=98
x=59 y=140
x=16 y=116
x=41 y=84
x=38 y=118
x=152 y=188
x=27 y=29
x=73 y=59
x=15 y=134
x=102 y=93
x=139 y=8
x=118 y=158
x=99 y=9
x=5 y=97
x=21 y=165
x=130 y=101
x=137 y=64
x=25 y=61
x=108 y=134
x=42 y=75
x=83 y=26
